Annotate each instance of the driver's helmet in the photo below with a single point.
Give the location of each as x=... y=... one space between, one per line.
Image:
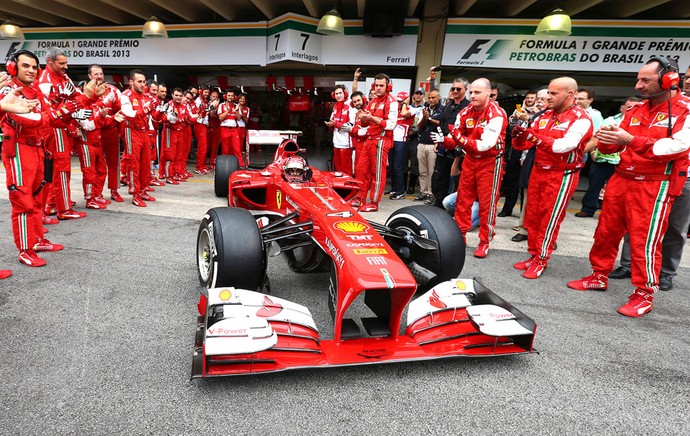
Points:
x=295 y=169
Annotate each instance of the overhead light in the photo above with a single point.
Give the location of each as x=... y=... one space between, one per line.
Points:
x=154 y=29
x=557 y=23
x=331 y=24
x=9 y=30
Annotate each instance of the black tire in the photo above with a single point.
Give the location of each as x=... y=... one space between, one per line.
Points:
x=240 y=260
x=307 y=259
x=434 y=223
x=225 y=166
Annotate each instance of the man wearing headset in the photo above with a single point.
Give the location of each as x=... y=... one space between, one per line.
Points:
x=380 y=118
x=653 y=139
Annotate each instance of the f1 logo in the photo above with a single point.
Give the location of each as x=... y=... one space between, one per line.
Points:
x=476 y=48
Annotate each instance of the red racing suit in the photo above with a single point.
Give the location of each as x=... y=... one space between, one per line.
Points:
x=639 y=195
x=172 y=143
x=229 y=135
x=560 y=140
x=93 y=164
x=23 y=157
x=372 y=162
x=481 y=135
x=213 y=136
x=137 y=108
x=110 y=137
x=59 y=139
x=342 y=144
x=201 y=133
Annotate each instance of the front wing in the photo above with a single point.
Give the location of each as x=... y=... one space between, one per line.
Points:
x=246 y=332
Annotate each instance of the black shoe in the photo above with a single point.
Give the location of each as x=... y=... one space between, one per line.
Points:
x=397 y=196
x=582 y=214
x=420 y=197
x=621 y=272
x=519 y=237
x=388 y=192
x=665 y=282
x=504 y=214
x=430 y=199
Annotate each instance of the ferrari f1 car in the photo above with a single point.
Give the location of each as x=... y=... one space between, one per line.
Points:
x=244 y=328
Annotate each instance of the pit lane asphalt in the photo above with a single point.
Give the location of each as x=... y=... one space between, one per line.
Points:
x=100 y=342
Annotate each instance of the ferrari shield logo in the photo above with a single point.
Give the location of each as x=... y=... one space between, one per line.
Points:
x=543 y=123
x=279 y=199
x=661 y=120
x=634 y=121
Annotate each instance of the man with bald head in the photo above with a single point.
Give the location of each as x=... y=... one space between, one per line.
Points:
x=653 y=140
x=479 y=131
x=559 y=135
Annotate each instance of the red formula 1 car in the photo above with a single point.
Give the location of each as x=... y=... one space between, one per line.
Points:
x=243 y=328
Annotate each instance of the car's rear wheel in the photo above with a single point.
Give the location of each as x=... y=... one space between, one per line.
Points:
x=225 y=166
x=435 y=224
x=230 y=251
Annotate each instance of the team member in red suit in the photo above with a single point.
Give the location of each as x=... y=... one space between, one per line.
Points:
x=213 y=128
x=192 y=115
x=57 y=87
x=137 y=107
x=342 y=143
x=13 y=103
x=173 y=139
x=154 y=127
x=560 y=135
x=653 y=139
x=110 y=135
x=201 y=131
x=93 y=164
x=380 y=118
x=228 y=113
x=242 y=121
x=358 y=134
x=23 y=155
x=480 y=132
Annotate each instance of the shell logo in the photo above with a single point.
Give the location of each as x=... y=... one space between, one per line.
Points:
x=225 y=295
x=460 y=285
x=351 y=226
x=470 y=123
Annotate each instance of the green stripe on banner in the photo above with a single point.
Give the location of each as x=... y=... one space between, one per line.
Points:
x=604 y=30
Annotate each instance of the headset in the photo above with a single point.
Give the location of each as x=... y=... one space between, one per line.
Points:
x=11 y=64
x=668 y=74
x=345 y=91
x=389 y=88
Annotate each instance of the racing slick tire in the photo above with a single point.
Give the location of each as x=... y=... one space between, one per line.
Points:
x=434 y=223
x=240 y=259
x=225 y=166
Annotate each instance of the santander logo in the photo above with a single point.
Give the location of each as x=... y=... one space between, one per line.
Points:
x=435 y=301
x=269 y=308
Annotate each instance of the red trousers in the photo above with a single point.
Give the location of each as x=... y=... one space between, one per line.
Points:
x=93 y=168
x=138 y=152
x=230 y=143
x=110 y=145
x=24 y=176
x=342 y=160
x=57 y=193
x=201 y=133
x=213 y=142
x=641 y=209
x=183 y=152
x=372 y=168
x=549 y=193
x=479 y=179
x=170 y=142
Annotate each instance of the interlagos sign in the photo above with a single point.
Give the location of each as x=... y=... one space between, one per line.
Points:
x=467 y=45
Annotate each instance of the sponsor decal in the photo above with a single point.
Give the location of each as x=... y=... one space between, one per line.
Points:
x=225 y=295
x=343 y=214
x=543 y=123
x=469 y=123
x=337 y=257
x=501 y=316
x=279 y=199
x=363 y=244
x=269 y=308
x=376 y=260
x=561 y=126
x=661 y=120
x=370 y=251
x=351 y=227
x=635 y=121
x=360 y=237
x=387 y=277
x=292 y=202
x=460 y=285
x=435 y=301
x=374 y=353
x=134 y=102
x=218 y=331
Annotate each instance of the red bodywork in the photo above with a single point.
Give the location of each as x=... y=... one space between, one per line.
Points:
x=363 y=262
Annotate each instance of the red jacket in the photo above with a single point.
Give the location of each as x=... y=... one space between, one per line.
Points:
x=481 y=133
x=386 y=108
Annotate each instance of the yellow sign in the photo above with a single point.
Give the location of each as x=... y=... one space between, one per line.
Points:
x=279 y=198
x=370 y=251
